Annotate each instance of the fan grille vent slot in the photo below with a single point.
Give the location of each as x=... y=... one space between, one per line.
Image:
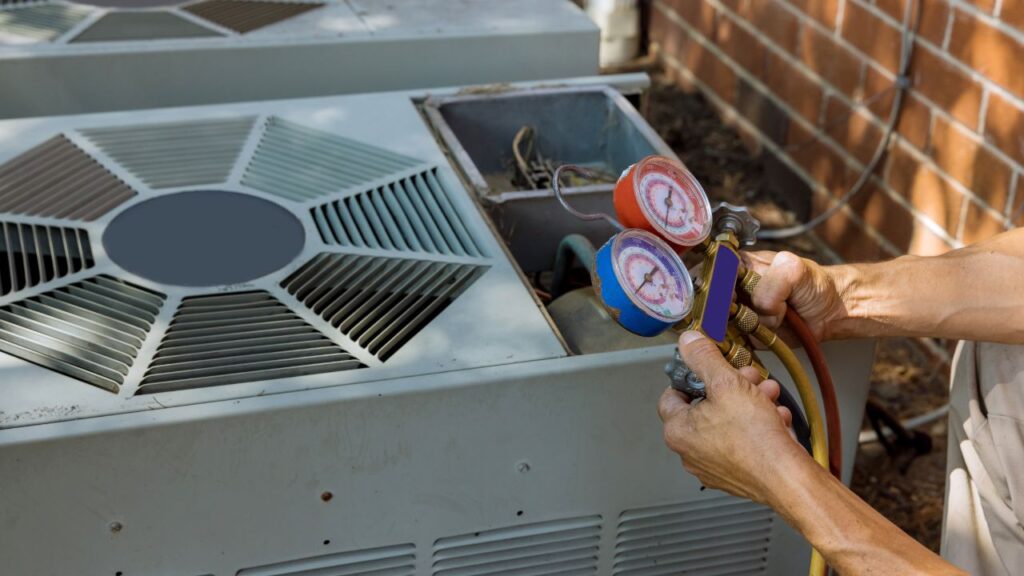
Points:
x=300 y=163
x=242 y=337
x=118 y=26
x=387 y=561
x=717 y=537
x=380 y=303
x=90 y=330
x=41 y=21
x=31 y=254
x=176 y=154
x=58 y=180
x=562 y=547
x=247 y=15
x=412 y=214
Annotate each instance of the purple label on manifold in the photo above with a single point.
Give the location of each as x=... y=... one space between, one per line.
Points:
x=723 y=283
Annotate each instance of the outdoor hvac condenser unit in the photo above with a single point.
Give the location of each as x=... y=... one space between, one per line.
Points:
x=63 y=57
x=282 y=338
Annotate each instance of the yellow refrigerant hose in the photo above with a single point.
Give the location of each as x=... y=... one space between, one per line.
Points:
x=819 y=445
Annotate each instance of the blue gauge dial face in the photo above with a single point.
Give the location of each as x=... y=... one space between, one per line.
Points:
x=652 y=275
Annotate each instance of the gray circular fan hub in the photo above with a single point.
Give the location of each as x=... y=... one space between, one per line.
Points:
x=204 y=238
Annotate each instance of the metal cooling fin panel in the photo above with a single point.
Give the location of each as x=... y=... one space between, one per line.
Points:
x=300 y=163
x=177 y=153
x=241 y=337
x=385 y=561
x=562 y=547
x=58 y=180
x=247 y=15
x=32 y=254
x=380 y=303
x=718 y=536
x=90 y=330
x=414 y=214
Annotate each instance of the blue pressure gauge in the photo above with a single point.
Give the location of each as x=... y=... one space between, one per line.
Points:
x=642 y=282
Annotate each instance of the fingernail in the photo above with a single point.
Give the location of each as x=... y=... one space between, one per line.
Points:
x=690 y=336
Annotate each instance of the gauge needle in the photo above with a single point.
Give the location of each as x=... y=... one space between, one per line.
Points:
x=668 y=207
x=647 y=278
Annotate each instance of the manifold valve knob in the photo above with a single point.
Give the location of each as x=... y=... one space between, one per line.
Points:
x=746 y=320
x=683 y=379
x=740 y=357
x=735 y=219
x=750 y=281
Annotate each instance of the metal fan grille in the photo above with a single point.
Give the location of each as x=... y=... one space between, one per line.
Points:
x=58 y=180
x=395 y=251
x=561 y=547
x=32 y=254
x=90 y=330
x=380 y=303
x=410 y=214
x=300 y=163
x=241 y=337
x=247 y=15
x=719 y=536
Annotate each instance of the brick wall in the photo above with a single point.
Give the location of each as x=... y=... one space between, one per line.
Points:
x=809 y=83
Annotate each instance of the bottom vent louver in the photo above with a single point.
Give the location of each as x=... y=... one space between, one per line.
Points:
x=562 y=547
x=242 y=337
x=90 y=330
x=379 y=302
x=717 y=537
x=387 y=561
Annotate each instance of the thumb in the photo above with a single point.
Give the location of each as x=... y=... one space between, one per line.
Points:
x=701 y=355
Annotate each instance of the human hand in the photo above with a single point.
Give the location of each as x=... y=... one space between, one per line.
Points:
x=814 y=291
x=736 y=439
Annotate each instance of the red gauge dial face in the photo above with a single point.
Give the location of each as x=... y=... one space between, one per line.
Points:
x=653 y=276
x=674 y=203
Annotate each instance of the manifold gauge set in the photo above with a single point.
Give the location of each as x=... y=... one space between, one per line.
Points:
x=662 y=212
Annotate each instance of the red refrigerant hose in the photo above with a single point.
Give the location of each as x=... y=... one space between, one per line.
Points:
x=828 y=390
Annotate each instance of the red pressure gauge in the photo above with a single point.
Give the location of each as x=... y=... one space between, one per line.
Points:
x=661 y=196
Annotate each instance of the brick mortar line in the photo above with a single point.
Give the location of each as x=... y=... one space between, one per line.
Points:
x=962 y=225
x=1015 y=184
x=815 y=186
x=936 y=50
x=821 y=135
x=857 y=106
x=947 y=34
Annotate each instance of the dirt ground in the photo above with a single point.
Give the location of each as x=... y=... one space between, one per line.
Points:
x=905 y=381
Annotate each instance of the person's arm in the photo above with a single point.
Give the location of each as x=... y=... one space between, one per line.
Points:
x=974 y=293
x=735 y=441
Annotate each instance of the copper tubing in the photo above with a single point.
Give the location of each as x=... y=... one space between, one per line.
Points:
x=825 y=386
